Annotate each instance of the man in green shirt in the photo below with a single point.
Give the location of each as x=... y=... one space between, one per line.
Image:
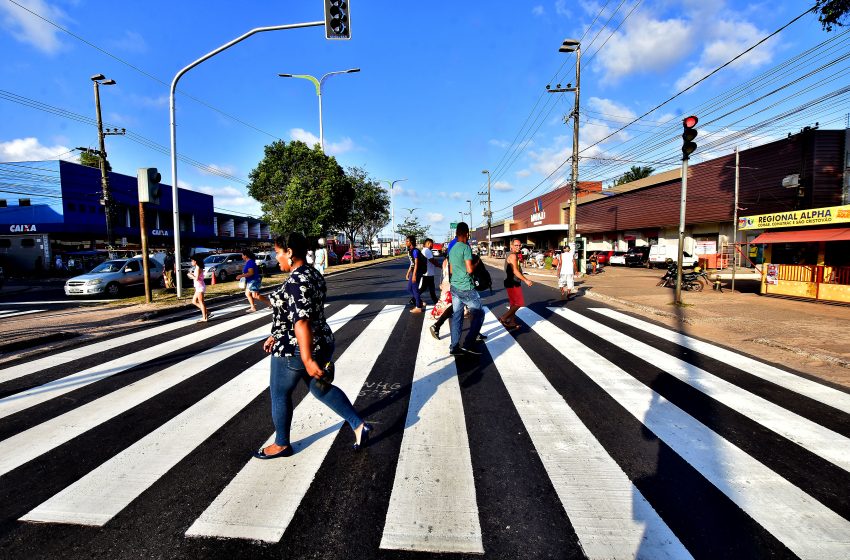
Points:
x=463 y=293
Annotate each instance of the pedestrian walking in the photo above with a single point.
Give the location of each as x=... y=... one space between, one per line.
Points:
x=432 y=268
x=58 y=264
x=463 y=294
x=321 y=257
x=415 y=271
x=197 y=277
x=593 y=259
x=168 y=269
x=513 y=285
x=253 y=278
x=301 y=343
x=566 y=272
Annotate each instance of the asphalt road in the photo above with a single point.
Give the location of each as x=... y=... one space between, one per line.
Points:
x=586 y=433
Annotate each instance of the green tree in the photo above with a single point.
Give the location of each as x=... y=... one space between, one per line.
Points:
x=90 y=159
x=371 y=206
x=831 y=12
x=301 y=189
x=411 y=226
x=634 y=174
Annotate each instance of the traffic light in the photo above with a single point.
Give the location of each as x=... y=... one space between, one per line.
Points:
x=149 y=179
x=337 y=19
x=690 y=132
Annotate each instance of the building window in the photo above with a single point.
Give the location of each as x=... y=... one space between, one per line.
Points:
x=5 y=243
x=23 y=202
x=27 y=242
x=72 y=207
x=2 y=203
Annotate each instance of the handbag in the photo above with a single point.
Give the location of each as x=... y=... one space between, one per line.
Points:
x=242 y=283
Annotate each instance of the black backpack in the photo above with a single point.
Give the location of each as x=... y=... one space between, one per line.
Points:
x=480 y=275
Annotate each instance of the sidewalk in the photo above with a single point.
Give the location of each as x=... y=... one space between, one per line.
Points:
x=805 y=336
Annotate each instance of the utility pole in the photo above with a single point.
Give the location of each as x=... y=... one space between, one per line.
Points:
x=106 y=196
x=489 y=216
x=735 y=221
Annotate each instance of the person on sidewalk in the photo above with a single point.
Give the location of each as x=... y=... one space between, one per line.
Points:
x=197 y=277
x=301 y=343
x=566 y=272
x=253 y=278
x=415 y=272
x=431 y=270
x=463 y=293
x=513 y=285
x=321 y=257
x=168 y=269
x=593 y=260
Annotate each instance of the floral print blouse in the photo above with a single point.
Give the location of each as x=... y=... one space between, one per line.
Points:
x=302 y=296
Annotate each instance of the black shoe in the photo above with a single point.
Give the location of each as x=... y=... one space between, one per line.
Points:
x=261 y=453
x=457 y=351
x=480 y=337
x=472 y=351
x=435 y=332
x=411 y=301
x=364 y=437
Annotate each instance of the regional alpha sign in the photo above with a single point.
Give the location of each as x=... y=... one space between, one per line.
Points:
x=23 y=228
x=811 y=217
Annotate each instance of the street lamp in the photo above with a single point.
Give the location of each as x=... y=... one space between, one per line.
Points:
x=489 y=215
x=318 y=83
x=106 y=197
x=568 y=46
x=392 y=205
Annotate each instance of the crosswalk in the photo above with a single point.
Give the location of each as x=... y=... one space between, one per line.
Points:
x=12 y=313
x=646 y=438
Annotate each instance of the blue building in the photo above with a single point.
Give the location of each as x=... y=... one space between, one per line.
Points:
x=52 y=208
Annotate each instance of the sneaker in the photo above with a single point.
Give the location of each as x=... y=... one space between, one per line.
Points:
x=416 y=310
x=435 y=332
x=457 y=351
x=481 y=338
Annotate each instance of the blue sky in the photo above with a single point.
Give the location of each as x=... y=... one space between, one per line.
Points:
x=444 y=92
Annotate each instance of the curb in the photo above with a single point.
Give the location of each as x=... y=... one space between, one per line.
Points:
x=800 y=352
x=645 y=308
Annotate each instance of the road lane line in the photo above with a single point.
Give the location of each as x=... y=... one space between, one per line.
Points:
x=807 y=527
x=433 y=506
x=821 y=441
x=59 y=358
x=609 y=514
x=260 y=501
x=795 y=383
x=9 y=313
x=37 y=395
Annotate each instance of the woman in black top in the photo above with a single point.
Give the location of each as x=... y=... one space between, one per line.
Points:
x=301 y=343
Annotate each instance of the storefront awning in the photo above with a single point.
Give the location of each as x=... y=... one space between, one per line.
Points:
x=549 y=227
x=804 y=236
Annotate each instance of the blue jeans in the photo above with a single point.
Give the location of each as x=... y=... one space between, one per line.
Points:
x=413 y=290
x=286 y=371
x=470 y=299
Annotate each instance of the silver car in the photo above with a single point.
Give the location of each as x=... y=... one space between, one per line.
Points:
x=224 y=266
x=112 y=277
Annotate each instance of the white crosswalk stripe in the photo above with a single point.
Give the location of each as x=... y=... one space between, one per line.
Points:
x=10 y=313
x=433 y=505
x=817 y=532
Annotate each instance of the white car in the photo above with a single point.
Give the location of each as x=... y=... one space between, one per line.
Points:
x=112 y=277
x=223 y=265
x=619 y=257
x=266 y=260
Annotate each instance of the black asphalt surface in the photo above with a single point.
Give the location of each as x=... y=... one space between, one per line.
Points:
x=343 y=514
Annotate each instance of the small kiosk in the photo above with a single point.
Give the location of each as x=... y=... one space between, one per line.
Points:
x=807 y=252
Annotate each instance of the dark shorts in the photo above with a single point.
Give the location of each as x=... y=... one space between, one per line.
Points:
x=515 y=298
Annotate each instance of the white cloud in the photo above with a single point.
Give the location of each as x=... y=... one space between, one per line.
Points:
x=333 y=148
x=499 y=143
x=227 y=197
x=30 y=149
x=409 y=193
x=537 y=11
x=434 y=217
x=644 y=45
x=523 y=173
x=561 y=8
x=146 y=101
x=503 y=186
x=32 y=30
x=456 y=195
x=131 y=41
x=226 y=169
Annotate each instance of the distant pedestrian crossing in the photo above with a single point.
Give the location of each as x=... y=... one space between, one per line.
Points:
x=599 y=394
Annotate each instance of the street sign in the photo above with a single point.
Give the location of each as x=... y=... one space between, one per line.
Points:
x=453 y=225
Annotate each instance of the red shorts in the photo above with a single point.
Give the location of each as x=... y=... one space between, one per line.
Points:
x=515 y=296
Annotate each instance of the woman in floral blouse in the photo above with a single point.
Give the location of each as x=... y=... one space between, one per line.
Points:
x=301 y=343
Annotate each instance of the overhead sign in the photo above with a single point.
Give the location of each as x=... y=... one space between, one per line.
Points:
x=22 y=228
x=453 y=225
x=538 y=215
x=796 y=218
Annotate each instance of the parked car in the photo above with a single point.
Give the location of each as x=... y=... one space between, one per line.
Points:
x=267 y=261
x=617 y=258
x=224 y=266
x=346 y=258
x=113 y=276
x=659 y=254
x=637 y=256
x=333 y=258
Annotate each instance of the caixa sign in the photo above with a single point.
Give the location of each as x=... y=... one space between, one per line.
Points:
x=163 y=232
x=22 y=228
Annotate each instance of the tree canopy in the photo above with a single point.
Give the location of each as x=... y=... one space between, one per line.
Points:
x=301 y=189
x=90 y=159
x=635 y=173
x=831 y=12
x=370 y=210
x=412 y=226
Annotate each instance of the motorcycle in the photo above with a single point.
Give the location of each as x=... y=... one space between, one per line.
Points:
x=693 y=281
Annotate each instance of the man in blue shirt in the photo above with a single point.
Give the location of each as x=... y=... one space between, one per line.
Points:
x=463 y=293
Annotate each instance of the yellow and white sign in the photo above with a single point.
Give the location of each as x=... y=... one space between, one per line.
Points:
x=792 y=218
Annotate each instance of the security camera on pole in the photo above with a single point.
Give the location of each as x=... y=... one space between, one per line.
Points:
x=688 y=147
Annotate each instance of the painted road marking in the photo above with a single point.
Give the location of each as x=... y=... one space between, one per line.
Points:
x=59 y=358
x=804 y=525
x=251 y=507
x=8 y=313
x=609 y=514
x=433 y=506
x=795 y=383
x=821 y=441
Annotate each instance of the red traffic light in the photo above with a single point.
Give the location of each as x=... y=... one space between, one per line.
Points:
x=690 y=122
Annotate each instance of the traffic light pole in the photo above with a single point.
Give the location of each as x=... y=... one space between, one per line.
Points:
x=682 y=204
x=145 y=267
x=173 y=125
